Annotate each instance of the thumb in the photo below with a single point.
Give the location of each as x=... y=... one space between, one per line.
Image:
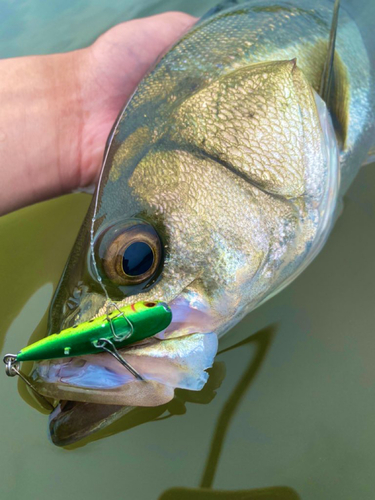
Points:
x=127 y=51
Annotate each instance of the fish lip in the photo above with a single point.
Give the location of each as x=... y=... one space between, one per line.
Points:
x=72 y=421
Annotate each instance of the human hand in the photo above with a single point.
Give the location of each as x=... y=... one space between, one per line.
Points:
x=58 y=110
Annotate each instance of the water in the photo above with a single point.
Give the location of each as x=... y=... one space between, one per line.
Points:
x=293 y=417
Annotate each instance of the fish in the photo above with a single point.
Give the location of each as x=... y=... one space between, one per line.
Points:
x=221 y=181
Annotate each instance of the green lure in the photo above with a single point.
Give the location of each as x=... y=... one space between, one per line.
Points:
x=120 y=328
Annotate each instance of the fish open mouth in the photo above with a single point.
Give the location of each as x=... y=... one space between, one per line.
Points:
x=178 y=357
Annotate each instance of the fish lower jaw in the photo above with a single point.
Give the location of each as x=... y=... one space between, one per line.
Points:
x=178 y=362
x=134 y=393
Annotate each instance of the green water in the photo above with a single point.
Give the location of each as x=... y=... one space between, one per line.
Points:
x=294 y=415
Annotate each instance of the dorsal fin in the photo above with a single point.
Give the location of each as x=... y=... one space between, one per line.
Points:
x=327 y=75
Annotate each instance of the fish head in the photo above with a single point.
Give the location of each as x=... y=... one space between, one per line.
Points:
x=233 y=187
x=211 y=199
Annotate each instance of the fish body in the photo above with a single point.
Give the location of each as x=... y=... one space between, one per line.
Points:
x=227 y=164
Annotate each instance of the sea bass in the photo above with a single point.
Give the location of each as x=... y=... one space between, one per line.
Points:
x=220 y=184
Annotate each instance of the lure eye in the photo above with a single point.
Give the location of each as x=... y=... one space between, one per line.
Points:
x=132 y=254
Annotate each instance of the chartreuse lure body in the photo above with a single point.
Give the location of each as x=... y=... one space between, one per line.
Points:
x=119 y=328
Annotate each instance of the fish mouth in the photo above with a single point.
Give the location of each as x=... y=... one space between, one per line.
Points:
x=96 y=389
x=73 y=421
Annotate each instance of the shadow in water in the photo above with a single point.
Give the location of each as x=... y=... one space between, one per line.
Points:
x=262 y=341
x=274 y=493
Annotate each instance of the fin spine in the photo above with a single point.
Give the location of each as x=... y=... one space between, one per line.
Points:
x=328 y=71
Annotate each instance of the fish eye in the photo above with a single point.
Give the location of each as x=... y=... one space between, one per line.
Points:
x=131 y=254
x=137 y=259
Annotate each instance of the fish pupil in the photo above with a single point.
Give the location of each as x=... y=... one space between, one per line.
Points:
x=137 y=259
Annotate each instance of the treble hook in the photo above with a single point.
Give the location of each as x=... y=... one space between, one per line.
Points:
x=120 y=313
x=101 y=344
x=12 y=368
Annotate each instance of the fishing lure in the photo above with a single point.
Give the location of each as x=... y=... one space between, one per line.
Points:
x=110 y=332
